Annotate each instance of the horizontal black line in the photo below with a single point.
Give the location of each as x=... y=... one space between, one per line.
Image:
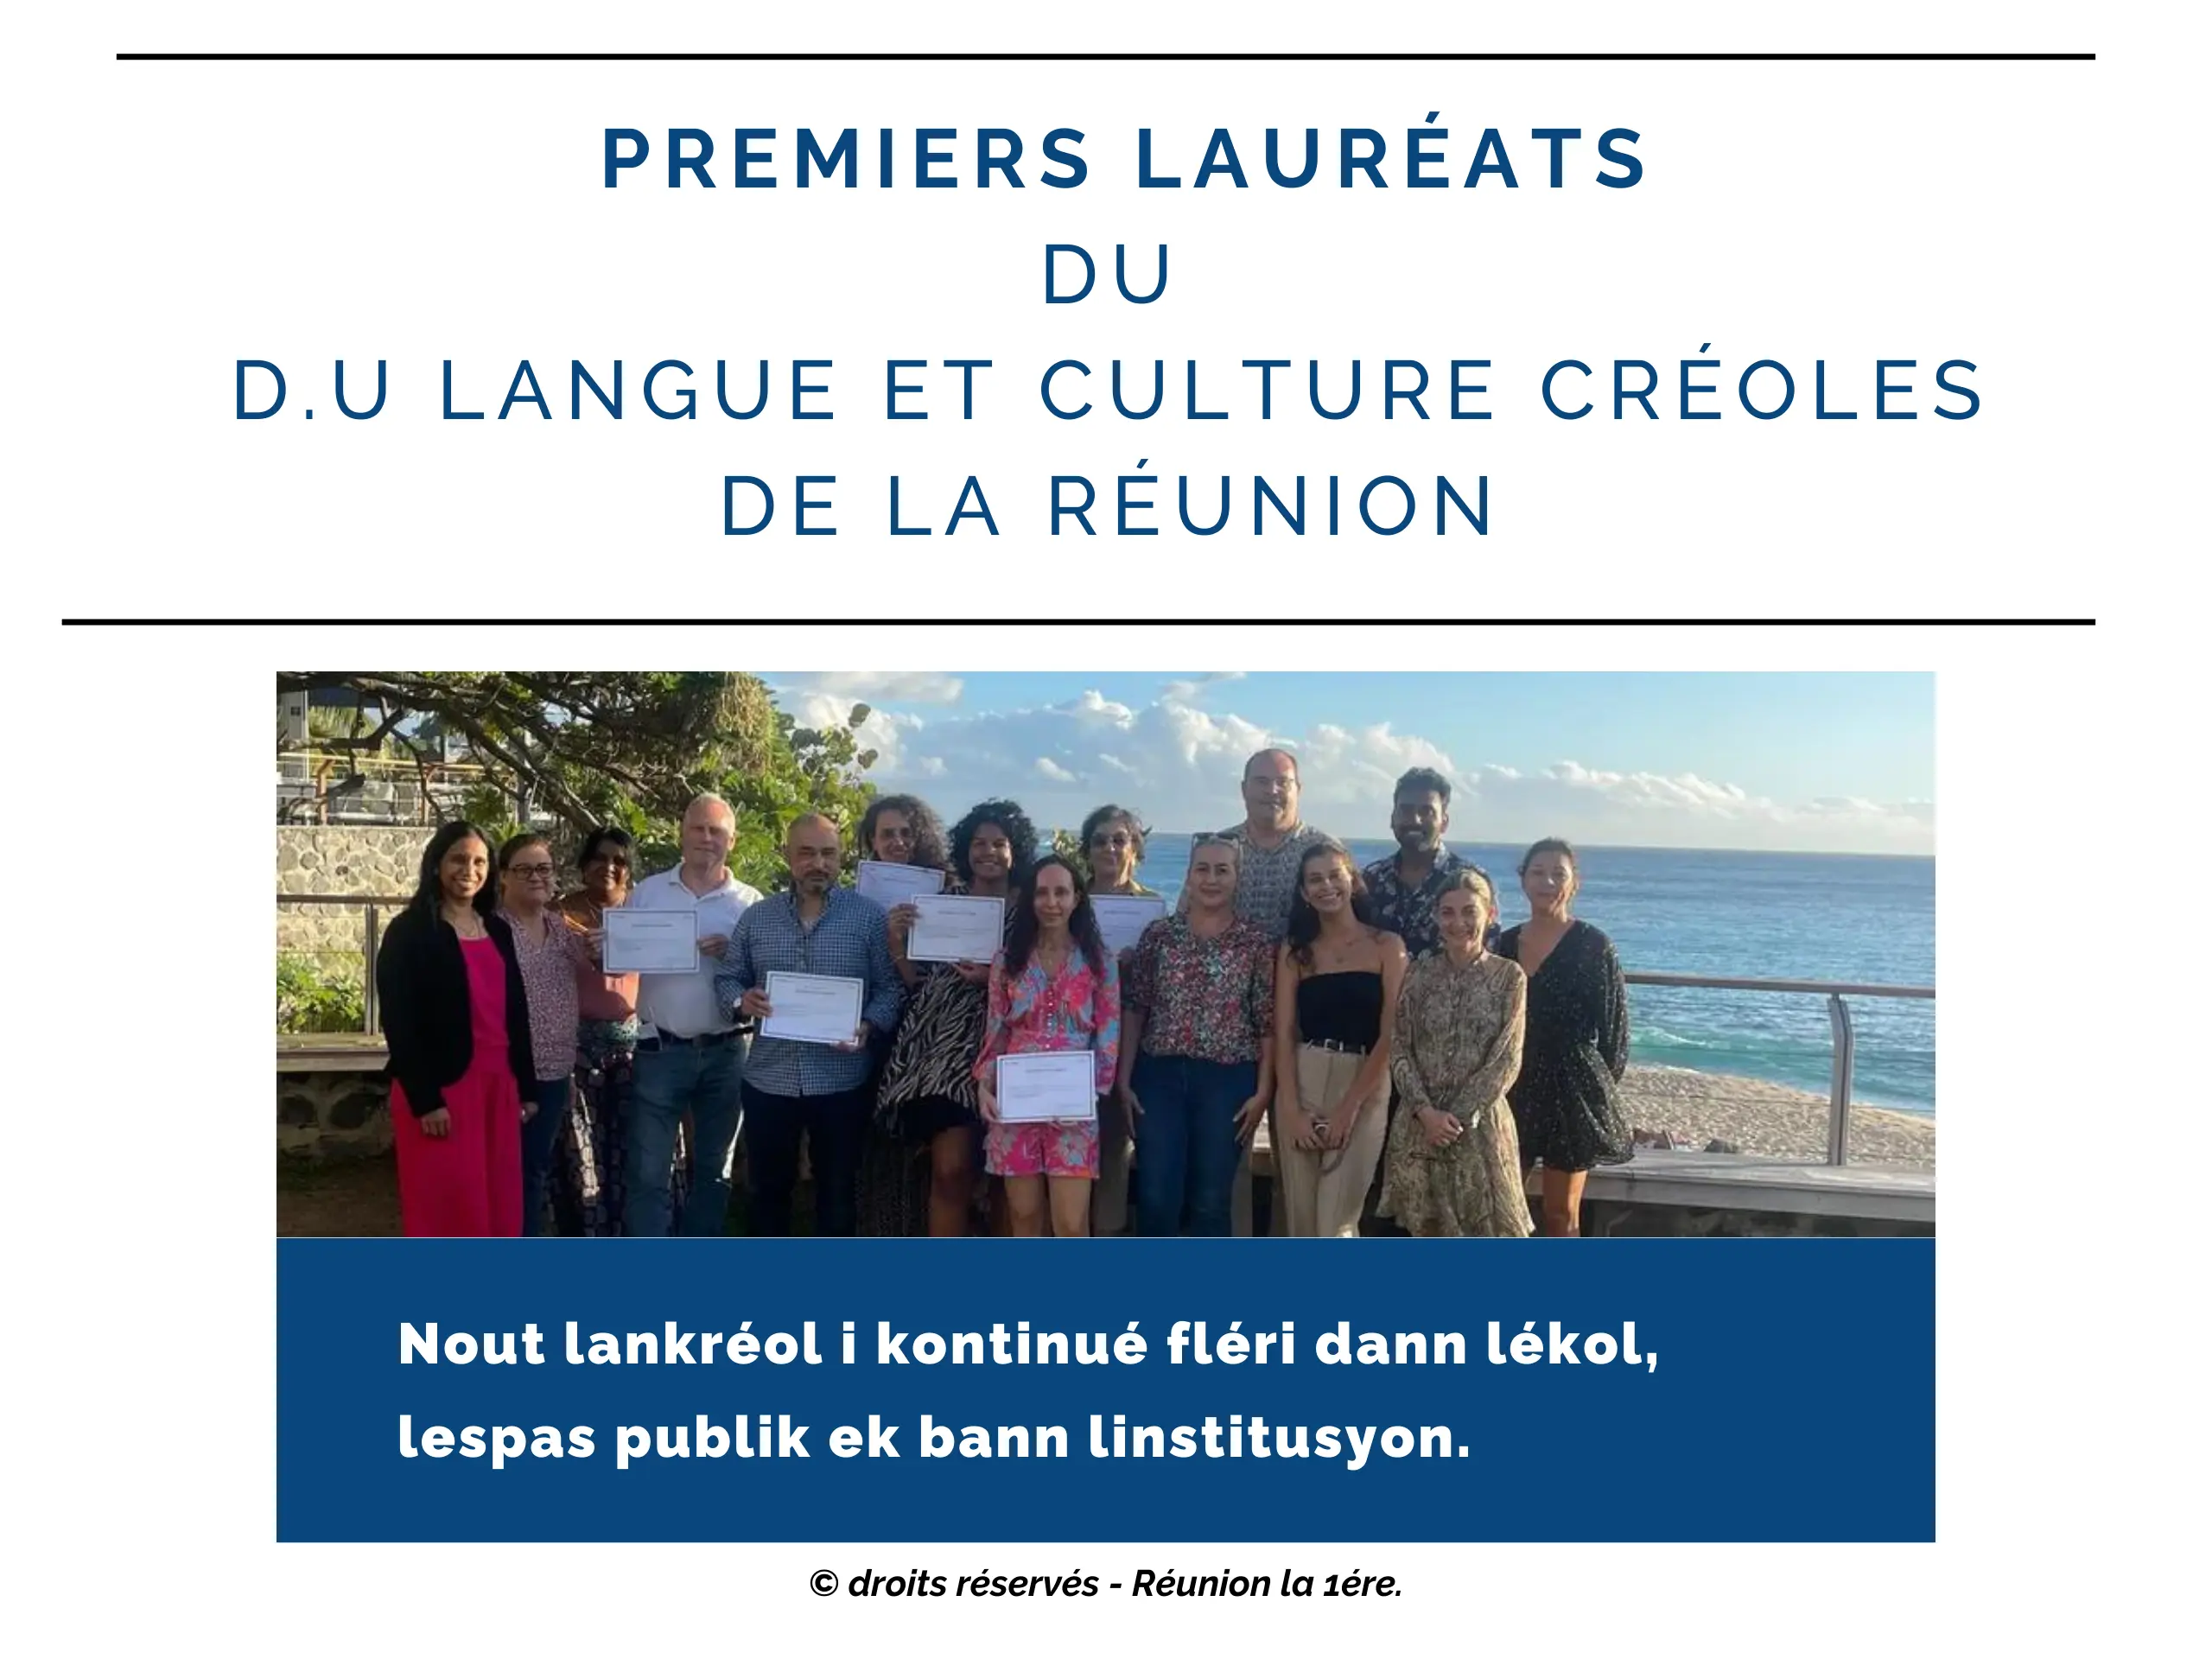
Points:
x=1106 y=621
x=1105 y=57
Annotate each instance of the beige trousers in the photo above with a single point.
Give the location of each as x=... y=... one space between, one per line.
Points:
x=1322 y=1193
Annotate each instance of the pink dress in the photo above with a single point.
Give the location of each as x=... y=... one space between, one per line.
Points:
x=1032 y=1012
x=467 y=1184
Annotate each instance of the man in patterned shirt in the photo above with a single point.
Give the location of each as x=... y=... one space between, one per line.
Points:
x=1404 y=888
x=1270 y=841
x=816 y=1090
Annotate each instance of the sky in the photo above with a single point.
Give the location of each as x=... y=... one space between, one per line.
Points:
x=1842 y=763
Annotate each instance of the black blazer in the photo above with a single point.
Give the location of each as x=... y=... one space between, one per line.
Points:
x=422 y=986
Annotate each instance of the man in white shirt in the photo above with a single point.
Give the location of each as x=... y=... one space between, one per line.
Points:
x=690 y=1054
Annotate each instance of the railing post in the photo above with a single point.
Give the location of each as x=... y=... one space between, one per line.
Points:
x=1839 y=1081
x=369 y=942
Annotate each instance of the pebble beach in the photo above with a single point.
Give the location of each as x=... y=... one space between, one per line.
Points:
x=1765 y=1119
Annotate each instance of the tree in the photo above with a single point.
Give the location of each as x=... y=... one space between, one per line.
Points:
x=630 y=749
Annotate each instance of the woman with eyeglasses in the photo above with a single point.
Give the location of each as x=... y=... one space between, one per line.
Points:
x=548 y=953
x=456 y=1026
x=1113 y=847
x=1335 y=975
x=593 y=1175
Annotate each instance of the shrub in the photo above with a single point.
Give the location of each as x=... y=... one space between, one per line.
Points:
x=307 y=1000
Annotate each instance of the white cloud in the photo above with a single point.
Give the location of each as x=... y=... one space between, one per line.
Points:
x=1093 y=710
x=1189 y=690
x=1179 y=765
x=1684 y=810
x=884 y=687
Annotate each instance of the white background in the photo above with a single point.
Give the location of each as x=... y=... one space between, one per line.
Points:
x=1844 y=212
x=2025 y=219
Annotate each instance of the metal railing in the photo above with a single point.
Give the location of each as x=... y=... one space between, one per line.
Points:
x=321 y=786
x=1846 y=1050
x=1839 y=1027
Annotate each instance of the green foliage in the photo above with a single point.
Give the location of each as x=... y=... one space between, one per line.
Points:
x=632 y=749
x=309 y=1001
x=806 y=770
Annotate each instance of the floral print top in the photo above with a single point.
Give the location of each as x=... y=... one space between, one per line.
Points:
x=1204 y=999
x=549 y=985
x=1034 y=1012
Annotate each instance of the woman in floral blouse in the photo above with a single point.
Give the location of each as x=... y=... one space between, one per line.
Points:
x=1197 y=1063
x=1053 y=987
x=1452 y=1167
x=548 y=953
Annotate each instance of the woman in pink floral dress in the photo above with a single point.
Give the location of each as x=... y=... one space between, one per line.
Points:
x=1054 y=986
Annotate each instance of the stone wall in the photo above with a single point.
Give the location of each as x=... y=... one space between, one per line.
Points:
x=370 y=859
x=332 y=1114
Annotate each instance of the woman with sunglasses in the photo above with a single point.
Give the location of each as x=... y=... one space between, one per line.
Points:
x=1198 y=1049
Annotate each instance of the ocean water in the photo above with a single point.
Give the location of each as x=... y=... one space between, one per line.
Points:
x=1745 y=915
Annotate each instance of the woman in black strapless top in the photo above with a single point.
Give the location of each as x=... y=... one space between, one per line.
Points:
x=1336 y=976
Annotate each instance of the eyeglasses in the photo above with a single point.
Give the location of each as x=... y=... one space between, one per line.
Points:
x=1118 y=842
x=533 y=872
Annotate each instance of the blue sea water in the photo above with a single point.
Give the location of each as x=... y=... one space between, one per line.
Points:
x=1744 y=915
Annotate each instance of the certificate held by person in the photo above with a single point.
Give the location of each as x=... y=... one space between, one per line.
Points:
x=814 y=1008
x=892 y=884
x=1048 y=1086
x=649 y=941
x=955 y=927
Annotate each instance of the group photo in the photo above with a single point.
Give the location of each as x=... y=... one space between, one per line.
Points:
x=917 y=955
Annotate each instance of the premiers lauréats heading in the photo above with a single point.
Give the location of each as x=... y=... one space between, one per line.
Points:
x=1424 y=156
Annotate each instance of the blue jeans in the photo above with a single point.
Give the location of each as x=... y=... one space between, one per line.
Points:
x=666 y=1080
x=540 y=1139
x=1186 y=1142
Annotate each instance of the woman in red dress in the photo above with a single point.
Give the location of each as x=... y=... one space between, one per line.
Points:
x=457 y=1028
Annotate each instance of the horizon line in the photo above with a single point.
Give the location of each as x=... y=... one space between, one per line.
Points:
x=1615 y=846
